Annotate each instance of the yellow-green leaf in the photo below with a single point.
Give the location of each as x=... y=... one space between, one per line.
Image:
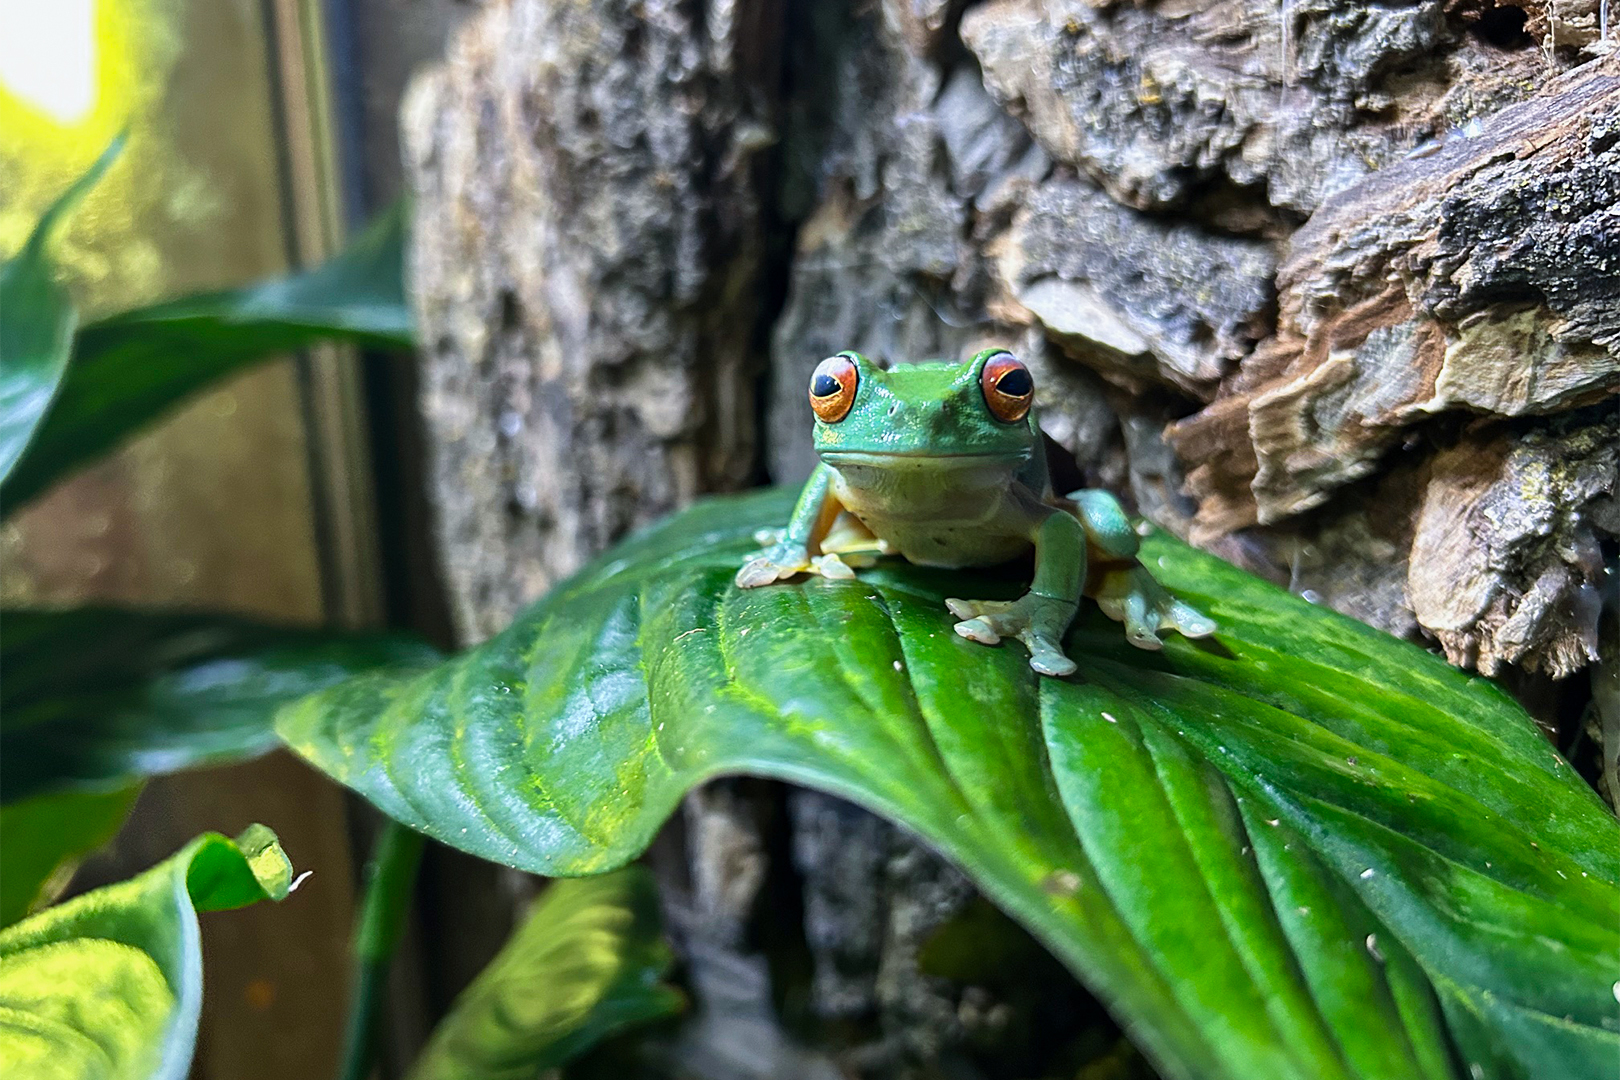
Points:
x=42 y=840
x=109 y=984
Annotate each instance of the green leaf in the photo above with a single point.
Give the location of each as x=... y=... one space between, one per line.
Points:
x=129 y=369
x=42 y=839
x=92 y=697
x=37 y=318
x=109 y=984
x=1301 y=849
x=585 y=964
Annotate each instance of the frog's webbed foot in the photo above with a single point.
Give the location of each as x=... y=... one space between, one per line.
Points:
x=776 y=563
x=1132 y=597
x=847 y=547
x=782 y=560
x=1038 y=621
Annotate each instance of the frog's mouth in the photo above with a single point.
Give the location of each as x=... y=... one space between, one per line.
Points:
x=919 y=459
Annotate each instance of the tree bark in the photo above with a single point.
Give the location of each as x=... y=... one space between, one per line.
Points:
x=1329 y=288
x=585 y=271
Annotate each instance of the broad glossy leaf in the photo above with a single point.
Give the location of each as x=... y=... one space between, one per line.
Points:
x=92 y=697
x=129 y=369
x=109 y=984
x=42 y=839
x=1301 y=849
x=37 y=318
x=586 y=963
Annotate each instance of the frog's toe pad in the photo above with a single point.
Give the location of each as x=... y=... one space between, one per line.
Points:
x=987 y=621
x=771 y=566
x=973 y=609
x=1187 y=621
x=831 y=567
x=760 y=571
x=1047 y=660
x=978 y=629
x=1143 y=637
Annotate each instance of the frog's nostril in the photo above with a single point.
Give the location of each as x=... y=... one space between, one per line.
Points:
x=893 y=409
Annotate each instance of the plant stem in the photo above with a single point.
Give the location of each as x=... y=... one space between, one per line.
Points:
x=390 y=877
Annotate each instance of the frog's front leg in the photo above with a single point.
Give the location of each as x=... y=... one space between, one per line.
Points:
x=789 y=553
x=1040 y=617
x=1122 y=587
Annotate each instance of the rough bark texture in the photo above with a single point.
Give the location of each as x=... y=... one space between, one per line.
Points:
x=585 y=268
x=1482 y=280
x=1330 y=287
x=1457 y=259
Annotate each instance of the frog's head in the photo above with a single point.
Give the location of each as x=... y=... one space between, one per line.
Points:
x=923 y=412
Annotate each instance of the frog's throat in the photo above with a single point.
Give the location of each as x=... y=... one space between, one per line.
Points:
x=921 y=458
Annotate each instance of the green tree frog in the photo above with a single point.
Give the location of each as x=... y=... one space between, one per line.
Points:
x=943 y=463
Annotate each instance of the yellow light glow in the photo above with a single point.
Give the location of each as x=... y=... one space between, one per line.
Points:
x=48 y=55
x=48 y=136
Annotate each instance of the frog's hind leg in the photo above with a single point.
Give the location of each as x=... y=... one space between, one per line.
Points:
x=1108 y=530
x=1042 y=615
x=1125 y=591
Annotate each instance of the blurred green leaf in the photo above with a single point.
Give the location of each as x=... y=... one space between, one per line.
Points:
x=93 y=697
x=109 y=984
x=587 y=962
x=42 y=839
x=129 y=369
x=1301 y=849
x=37 y=318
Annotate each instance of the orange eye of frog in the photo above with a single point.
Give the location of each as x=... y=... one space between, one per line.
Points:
x=832 y=388
x=1008 y=387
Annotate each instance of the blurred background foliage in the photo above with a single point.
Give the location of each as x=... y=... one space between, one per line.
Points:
x=252 y=498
